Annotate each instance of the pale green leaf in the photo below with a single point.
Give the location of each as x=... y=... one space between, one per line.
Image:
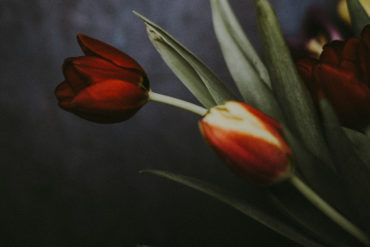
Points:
x=242 y=206
x=215 y=86
x=184 y=72
x=246 y=68
x=359 y=17
x=291 y=93
x=234 y=29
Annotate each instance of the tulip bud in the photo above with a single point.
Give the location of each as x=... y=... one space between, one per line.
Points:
x=104 y=86
x=250 y=142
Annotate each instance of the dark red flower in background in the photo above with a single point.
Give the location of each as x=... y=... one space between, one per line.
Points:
x=250 y=142
x=104 y=86
x=342 y=75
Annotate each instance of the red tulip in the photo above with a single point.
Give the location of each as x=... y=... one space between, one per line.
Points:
x=104 y=86
x=250 y=142
x=342 y=75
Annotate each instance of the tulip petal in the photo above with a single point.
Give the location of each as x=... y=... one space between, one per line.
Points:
x=109 y=101
x=271 y=126
x=305 y=67
x=94 y=47
x=330 y=56
x=350 y=55
x=75 y=80
x=249 y=141
x=64 y=93
x=349 y=97
x=97 y=69
x=253 y=158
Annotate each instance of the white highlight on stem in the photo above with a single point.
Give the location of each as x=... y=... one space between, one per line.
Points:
x=329 y=211
x=177 y=103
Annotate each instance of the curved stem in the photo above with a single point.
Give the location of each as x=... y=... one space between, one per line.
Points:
x=177 y=103
x=329 y=211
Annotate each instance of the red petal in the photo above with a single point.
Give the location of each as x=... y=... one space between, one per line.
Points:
x=350 y=55
x=64 y=94
x=349 y=96
x=75 y=80
x=273 y=126
x=248 y=156
x=97 y=69
x=267 y=120
x=305 y=68
x=94 y=47
x=330 y=56
x=109 y=101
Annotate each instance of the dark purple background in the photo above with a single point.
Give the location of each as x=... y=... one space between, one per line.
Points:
x=68 y=182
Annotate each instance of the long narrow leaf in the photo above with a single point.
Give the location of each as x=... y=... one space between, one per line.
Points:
x=246 y=68
x=361 y=144
x=215 y=86
x=240 y=38
x=359 y=17
x=353 y=171
x=320 y=231
x=288 y=87
x=305 y=213
x=239 y=205
x=184 y=72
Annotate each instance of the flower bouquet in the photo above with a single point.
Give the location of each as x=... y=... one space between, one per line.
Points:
x=297 y=125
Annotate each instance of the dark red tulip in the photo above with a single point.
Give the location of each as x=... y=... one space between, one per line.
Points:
x=104 y=86
x=342 y=75
x=250 y=142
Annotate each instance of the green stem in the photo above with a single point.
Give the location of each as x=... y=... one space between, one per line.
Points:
x=177 y=103
x=329 y=211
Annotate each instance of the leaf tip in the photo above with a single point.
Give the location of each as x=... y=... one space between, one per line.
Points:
x=143 y=18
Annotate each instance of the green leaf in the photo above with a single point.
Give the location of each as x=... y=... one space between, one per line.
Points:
x=224 y=16
x=291 y=93
x=246 y=68
x=184 y=72
x=309 y=218
x=354 y=173
x=359 y=17
x=220 y=93
x=308 y=222
x=361 y=144
x=242 y=206
x=319 y=177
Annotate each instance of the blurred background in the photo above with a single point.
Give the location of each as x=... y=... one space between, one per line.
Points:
x=65 y=181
